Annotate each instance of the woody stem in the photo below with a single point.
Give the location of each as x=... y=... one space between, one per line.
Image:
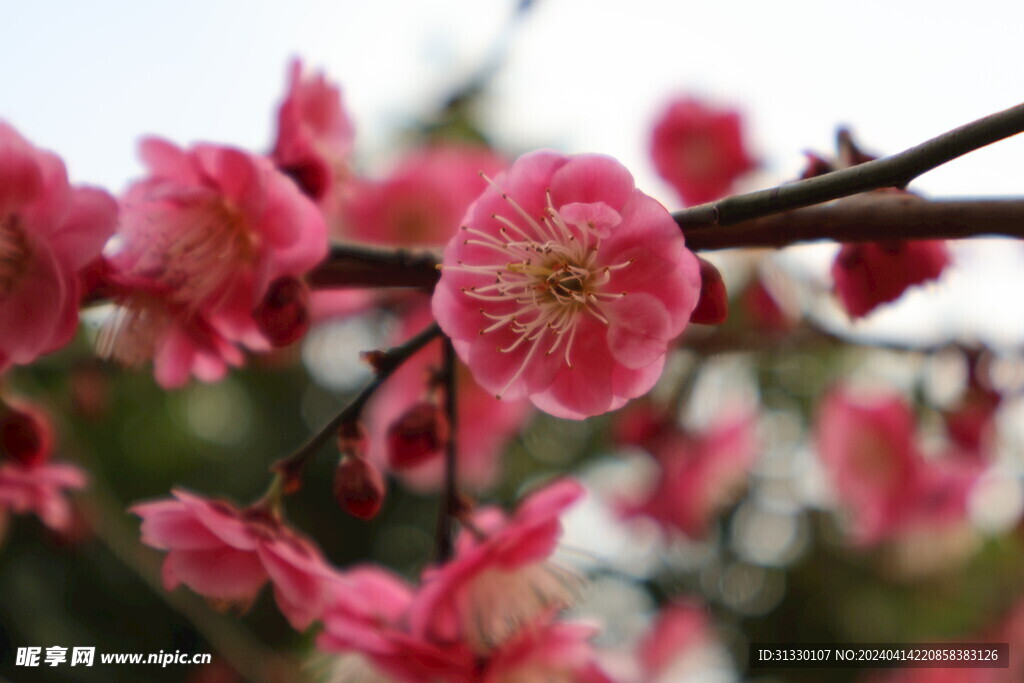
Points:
x=449 y=494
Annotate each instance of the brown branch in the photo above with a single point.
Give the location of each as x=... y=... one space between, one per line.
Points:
x=892 y=171
x=869 y=218
x=358 y=266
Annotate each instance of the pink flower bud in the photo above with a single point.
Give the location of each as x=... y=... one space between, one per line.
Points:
x=283 y=315
x=25 y=435
x=358 y=487
x=713 y=303
x=416 y=436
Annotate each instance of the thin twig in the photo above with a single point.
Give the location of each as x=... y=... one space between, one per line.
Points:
x=450 y=494
x=385 y=364
x=892 y=171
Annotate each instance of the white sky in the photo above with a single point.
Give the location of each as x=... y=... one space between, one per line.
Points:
x=88 y=79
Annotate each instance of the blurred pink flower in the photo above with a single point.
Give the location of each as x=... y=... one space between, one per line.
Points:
x=500 y=580
x=49 y=233
x=487 y=615
x=699 y=150
x=227 y=554
x=485 y=425
x=368 y=618
x=200 y=243
x=677 y=630
x=567 y=285
x=869 y=448
x=314 y=134
x=699 y=473
x=869 y=274
x=423 y=200
x=40 y=489
x=552 y=651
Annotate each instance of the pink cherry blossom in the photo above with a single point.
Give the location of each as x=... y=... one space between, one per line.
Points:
x=367 y=619
x=201 y=242
x=678 y=629
x=487 y=615
x=49 y=233
x=40 y=489
x=869 y=274
x=699 y=150
x=485 y=425
x=500 y=580
x=424 y=198
x=227 y=554
x=559 y=652
x=699 y=473
x=566 y=285
x=314 y=134
x=869 y=448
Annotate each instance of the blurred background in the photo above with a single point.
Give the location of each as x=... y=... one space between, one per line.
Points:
x=776 y=561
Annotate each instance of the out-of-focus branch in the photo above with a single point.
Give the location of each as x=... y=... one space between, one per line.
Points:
x=449 y=505
x=892 y=171
x=869 y=218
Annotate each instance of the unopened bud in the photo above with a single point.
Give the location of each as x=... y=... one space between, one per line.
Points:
x=418 y=435
x=283 y=315
x=713 y=303
x=25 y=435
x=358 y=487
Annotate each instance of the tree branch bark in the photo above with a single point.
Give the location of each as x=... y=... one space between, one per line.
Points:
x=892 y=171
x=869 y=218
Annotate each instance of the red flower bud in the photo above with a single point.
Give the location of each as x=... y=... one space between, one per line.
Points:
x=418 y=435
x=358 y=487
x=713 y=303
x=25 y=435
x=283 y=315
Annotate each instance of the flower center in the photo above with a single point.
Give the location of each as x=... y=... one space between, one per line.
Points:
x=548 y=269
x=14 y=253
